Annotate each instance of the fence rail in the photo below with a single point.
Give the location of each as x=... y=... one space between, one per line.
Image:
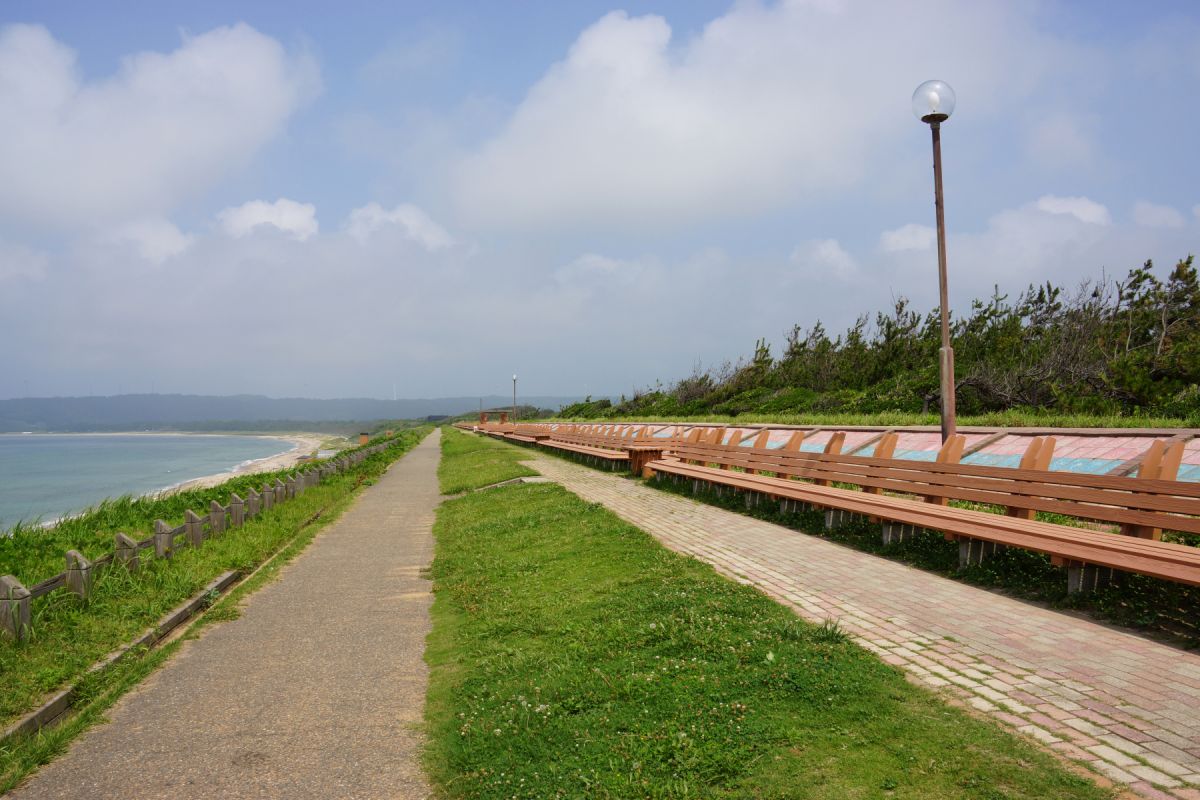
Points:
x=79 y=575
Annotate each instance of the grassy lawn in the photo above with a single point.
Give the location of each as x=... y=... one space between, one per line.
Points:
x=573 y=656
x=68 y=635
x=470 y=461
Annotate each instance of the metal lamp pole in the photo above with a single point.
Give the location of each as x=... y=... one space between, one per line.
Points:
x=933 y=102
x=514 y=398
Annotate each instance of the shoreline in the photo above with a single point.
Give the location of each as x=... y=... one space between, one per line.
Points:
x=302 y=444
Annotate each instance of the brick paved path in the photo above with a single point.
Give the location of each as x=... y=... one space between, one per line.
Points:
x=1127 y=706
x=315 y=691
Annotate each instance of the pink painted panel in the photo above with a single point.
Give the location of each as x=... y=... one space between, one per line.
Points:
x=855 y=438
x=920 y=441
x=820 y=437
x=1011 y=445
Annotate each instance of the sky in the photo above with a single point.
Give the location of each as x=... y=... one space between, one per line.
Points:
x=329 y=200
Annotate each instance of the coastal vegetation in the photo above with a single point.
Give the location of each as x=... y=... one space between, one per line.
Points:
x=1107 y=353
x=470 y=462
x=572 y=655
x=68 y=634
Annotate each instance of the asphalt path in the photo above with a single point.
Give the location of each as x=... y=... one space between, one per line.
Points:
x=317 y=689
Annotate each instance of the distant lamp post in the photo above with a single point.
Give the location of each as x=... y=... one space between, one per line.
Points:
x=514 y=397
x=933 y=103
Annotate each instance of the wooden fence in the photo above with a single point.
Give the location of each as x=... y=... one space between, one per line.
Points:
x=79 y=576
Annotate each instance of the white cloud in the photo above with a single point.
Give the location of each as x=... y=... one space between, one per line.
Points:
x=766 y=105
x=1152 y=215
x=1061 y=139
x=165 y=126
x=155 y=239
x=19 y=261
x=1081 y=208
x=591 y=269
x=412 y=222
x=824 y=256
x=414 y=56
x=907 y=237
x=298 y=220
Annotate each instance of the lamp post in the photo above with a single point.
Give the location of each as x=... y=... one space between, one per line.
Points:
x=933 y=103
x=514 y=397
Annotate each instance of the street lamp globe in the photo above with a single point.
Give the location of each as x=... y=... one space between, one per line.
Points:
x=933 y=101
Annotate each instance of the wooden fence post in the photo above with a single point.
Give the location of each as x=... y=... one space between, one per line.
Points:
x=268 y=497
x=253 y=502
x=290 y=488
x=79 y=574
x=237 y=511
x=195 y=528
x=14 y=607
x=280 y=491
x=164 y=542
x=125 y=552
x=216 y=517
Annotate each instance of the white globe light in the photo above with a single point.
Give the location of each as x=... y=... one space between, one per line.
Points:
x=933 y=101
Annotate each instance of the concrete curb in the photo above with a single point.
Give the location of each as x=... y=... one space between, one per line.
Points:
x=509 y=482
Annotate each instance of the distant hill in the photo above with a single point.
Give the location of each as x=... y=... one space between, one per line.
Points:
x=186 y=411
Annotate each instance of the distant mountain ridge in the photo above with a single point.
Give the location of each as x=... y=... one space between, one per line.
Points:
x=141 y=411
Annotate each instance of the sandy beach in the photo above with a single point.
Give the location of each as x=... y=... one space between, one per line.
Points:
x=303 y=444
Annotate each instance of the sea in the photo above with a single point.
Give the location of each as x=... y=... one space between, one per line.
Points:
x=47 y=476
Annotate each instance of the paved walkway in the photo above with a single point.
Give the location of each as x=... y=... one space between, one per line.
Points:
x=315 y=691
x=1127 y=706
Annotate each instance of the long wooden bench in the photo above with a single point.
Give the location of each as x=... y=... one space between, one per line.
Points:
x=528 y=433
x=603 y=447
x=1142 y=507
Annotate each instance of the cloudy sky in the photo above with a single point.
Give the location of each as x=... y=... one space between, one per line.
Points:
x=319 y=199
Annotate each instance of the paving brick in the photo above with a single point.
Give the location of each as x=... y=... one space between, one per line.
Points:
x=1149 y=792
x=1112 y=756
x=1154 y=776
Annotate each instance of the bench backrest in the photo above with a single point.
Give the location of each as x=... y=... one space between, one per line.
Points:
x=1145 y=503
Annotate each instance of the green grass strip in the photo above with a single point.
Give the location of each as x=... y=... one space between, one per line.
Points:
x=68 y=635
x=470 y=461
x=573 y=656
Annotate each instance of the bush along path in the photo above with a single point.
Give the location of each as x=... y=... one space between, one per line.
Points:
x=573 y=656
x=68 y=633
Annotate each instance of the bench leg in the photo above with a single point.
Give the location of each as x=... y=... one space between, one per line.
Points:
x=973 y=551
x=1089 y=577
x=896 y=532
x=793 y=507
x=836 y=517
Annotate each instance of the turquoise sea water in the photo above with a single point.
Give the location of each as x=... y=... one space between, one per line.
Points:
x=45 y=476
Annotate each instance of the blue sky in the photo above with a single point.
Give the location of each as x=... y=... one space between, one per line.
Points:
x=318 y=199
